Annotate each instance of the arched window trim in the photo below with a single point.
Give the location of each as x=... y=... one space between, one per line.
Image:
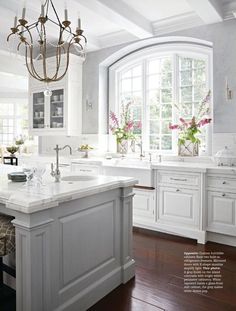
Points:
x=191 y=48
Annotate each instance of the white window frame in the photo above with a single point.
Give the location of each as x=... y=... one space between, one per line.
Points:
x=194 y=50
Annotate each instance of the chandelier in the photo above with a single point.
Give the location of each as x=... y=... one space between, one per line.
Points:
x=26 y=32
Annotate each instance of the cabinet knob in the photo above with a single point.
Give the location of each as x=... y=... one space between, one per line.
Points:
x=224 y=183
x=177 y=190
x=223 y=194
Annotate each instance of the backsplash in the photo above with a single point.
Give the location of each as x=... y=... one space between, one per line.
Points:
x=98 y=142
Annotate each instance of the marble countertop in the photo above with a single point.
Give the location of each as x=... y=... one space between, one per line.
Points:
x=187 y=165
x=18 y=197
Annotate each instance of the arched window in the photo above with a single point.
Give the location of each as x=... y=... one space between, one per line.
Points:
x=163 y=83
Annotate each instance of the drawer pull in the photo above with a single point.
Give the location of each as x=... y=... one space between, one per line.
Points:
x=223 y=194
x=177 y=190
x=224 y=182
x=178 y=179
x=83 y=170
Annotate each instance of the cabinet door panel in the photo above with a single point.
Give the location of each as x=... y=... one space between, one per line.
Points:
x=57 y=116
x=179 y=206
x=39 y=111
x=221 y=213
x=143 y=204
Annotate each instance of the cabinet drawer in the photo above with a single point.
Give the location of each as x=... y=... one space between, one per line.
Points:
x=172 y=178
x=86 y=169
x=221 y=183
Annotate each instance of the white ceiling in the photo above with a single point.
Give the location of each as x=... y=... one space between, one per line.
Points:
x=155 y=10
x=110 y=22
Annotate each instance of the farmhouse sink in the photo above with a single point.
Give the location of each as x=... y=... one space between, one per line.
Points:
x=78 y=178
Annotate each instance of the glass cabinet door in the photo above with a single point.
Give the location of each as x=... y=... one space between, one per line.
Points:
x=38 y=110
x=57 y=109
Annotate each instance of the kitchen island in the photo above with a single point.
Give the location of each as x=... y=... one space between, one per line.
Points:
x=73 y=240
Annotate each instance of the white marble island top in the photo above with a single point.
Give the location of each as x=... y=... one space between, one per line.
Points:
x=16 y=196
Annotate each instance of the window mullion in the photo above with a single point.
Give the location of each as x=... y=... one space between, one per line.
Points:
x=145 y=108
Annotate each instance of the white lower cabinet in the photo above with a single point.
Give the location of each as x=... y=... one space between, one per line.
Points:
x=221 y=212
x=179 y=206
x=143 y=205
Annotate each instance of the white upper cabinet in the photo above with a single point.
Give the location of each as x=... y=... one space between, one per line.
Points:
x=60 y=113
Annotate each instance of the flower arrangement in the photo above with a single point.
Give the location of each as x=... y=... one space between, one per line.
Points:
x=123 y=128
x=188 y=130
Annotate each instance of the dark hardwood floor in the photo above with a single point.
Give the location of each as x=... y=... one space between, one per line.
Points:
x=158 y=284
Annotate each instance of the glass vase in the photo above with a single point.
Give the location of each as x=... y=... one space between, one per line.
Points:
x=188 y=149
x=122 y=146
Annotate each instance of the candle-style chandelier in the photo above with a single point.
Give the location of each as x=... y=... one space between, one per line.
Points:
x=26 y=33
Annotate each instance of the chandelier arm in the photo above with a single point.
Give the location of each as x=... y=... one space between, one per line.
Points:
x=30 y=35
x=67 y=61
x=38 y=77
x=44 y=47
x=8 y=37
x=58 y=62
x=53 y=7
x=31 y=72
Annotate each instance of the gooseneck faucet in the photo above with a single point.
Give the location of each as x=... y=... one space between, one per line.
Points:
x=56 y=173
x=142 y=153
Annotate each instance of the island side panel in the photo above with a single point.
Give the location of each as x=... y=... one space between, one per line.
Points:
x=90 y=256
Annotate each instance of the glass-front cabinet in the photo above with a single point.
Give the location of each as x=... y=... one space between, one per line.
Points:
x=60 y=113
x=48 y=112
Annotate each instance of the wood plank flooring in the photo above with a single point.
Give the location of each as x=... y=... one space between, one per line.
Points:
x=158 y=284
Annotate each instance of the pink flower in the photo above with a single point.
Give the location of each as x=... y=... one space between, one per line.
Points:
x=114 y=118
x=173 y=127
x=204 y=122
x=130 y=125
x=139 y=125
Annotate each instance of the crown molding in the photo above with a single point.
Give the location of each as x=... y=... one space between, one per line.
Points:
x=176 y=23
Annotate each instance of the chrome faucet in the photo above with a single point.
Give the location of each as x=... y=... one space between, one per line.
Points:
x=56 y=173
x=142 y=153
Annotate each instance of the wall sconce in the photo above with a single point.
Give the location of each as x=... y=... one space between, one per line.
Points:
x=89 y=105
x=229 y=92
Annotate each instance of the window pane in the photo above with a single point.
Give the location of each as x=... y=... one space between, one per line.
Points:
x=126 y=85
x=137 y=71
x=154 y=112
x=166 y=79
x=185 y=63
x=166 y=111
x=186 y=94
x=136 y=112
x=154 y=127
x=153 y=97
x=166 y=95
x=137 y=84
x=154 y=142
x=126 y=74
x=154 y=82
x=186 y=110
x=165 y=127
x=186 y=78
x=166 y=142
x=154 y=66
x=200 y=76
x=166 y=65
